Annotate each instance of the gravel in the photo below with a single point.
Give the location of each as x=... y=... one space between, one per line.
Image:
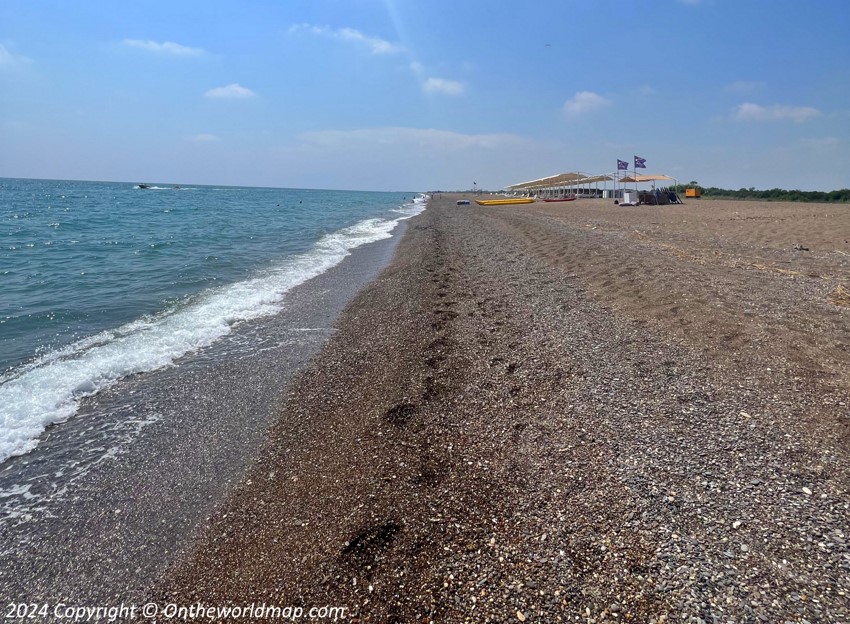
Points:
x=490 y=437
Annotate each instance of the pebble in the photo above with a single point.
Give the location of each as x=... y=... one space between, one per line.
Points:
x=639 y=459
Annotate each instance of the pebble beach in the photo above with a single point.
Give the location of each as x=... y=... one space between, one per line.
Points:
x=563 y=413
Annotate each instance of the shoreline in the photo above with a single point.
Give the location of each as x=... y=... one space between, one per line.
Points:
x=540 y=413
x=170 y=444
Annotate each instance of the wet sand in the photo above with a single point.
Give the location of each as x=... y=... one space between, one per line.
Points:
x=560 y=413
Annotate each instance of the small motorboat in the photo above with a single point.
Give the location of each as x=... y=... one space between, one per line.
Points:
x=562 y=199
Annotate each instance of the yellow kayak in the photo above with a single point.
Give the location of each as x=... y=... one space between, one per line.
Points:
x=503 y=202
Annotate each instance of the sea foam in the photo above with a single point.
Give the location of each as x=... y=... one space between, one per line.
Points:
x=49 y=389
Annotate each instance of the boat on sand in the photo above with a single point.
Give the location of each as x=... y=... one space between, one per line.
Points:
x=503 y=202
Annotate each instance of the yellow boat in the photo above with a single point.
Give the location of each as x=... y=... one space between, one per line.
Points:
x=503 y=202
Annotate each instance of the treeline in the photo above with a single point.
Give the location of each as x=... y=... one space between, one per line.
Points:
x=775 y=194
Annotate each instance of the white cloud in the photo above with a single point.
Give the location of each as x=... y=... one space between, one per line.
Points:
x=231 y=91
x=7 y=59
x=163 y=47
x=376 y=45
x=351 y=35
x=777 y=112
x=419 y=137
x=441 y=85
x=403 y=158
x=204 y=138
x=584 y=102
x=434 y=84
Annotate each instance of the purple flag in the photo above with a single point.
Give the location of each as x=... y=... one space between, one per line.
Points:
x=640 y=163
x=622 y=165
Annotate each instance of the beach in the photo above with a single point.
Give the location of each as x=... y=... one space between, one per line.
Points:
x=578 y=412
x=109 y=498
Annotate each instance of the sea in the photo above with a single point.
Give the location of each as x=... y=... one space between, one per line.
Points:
x=102 y=283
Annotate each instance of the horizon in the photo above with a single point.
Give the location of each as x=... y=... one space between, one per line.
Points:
x=392 y=94
x=190 y=183
x=349 y=190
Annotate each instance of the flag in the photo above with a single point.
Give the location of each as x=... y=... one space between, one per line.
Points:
x=640 y=163
x=622 y=165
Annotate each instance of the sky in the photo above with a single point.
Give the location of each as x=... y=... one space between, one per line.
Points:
x=427 y=94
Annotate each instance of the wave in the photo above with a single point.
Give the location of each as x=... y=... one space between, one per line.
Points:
x=49 y=389
x=167 y=188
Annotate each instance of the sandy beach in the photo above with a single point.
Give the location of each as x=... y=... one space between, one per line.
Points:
x=564 y=412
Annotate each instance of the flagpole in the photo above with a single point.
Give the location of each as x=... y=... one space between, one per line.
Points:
x=620 y=178
x=634 y=176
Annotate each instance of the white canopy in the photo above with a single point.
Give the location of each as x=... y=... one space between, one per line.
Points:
x=645 y=178
x=575 y=178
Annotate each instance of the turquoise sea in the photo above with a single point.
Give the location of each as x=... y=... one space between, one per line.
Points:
x=99 y=280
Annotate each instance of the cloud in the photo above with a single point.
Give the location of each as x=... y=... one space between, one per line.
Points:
x=743 y=86
x=164 y=47
x=415 y=137
x=7 y=59
x=232 y=91
x=584 y=102
x=350 y=35
x=433 y=84
x=443 y=86
x=402 y=158
x=204 y=138
x=777 y=112
x=376 y=45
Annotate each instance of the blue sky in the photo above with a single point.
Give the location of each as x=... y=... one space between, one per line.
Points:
x=404 y=95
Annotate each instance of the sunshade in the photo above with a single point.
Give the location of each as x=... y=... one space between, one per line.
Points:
x=561 y=179
x=555 y=180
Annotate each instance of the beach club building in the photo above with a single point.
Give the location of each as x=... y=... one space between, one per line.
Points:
x=579 y=184
x=563 y=184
